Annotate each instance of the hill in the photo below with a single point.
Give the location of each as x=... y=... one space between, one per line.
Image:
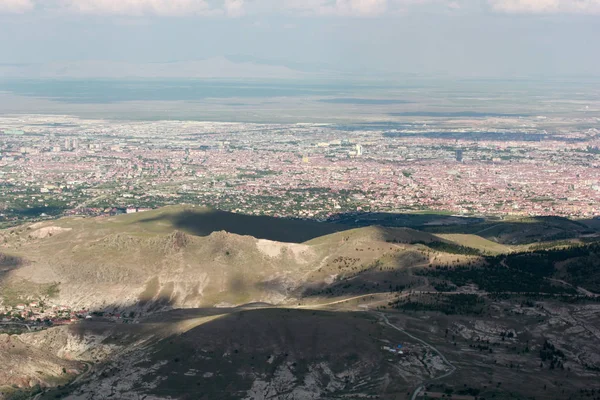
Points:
x=181 y=257
x=520 y=231
x=209 y=301
x=257 y=354
x=24 y=365
x=204 y=221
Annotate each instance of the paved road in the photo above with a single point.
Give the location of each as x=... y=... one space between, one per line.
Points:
x=17 y=323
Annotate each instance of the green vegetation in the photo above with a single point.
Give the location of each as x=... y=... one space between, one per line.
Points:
x=452 y=248
x=584 y=271
x=444 y=287
x=255 y=174
x=549 y=353
x=462 y=304
x=17 y=394
x=529 y=272
x=518 y=231
x=52 y=290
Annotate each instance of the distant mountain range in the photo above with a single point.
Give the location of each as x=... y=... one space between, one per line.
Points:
x=218 y=67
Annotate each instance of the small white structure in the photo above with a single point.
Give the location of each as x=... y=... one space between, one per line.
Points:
x=392 y=350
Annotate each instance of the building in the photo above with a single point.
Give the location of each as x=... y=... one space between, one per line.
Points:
x=359 y=150
x=459 y=155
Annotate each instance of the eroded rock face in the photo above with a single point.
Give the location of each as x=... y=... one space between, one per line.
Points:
x=48 y=231
x=24 y=365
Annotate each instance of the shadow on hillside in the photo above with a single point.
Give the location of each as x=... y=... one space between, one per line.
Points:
x=377 y=279
x=534 y=229
x=203 y=223
x=251 y=326
x=402 y=220
x=524 y=231
x=9 y=263
x=239 y=343
x=568 y=270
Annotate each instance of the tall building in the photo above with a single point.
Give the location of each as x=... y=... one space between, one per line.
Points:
x=359 y=150
x=459 y=155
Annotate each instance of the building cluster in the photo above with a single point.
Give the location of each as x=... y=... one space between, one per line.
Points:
x=38 y=314
x=398 y=350
x=51 y=165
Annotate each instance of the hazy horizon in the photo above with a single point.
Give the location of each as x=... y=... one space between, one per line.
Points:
x=289 y=39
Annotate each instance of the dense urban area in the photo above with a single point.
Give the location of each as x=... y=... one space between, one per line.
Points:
x=443 y=306
x=53 y=165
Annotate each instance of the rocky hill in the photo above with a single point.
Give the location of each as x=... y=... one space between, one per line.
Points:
x=175 y=257
x=231 y=306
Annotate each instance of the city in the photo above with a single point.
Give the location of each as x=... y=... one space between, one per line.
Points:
x=55 y=165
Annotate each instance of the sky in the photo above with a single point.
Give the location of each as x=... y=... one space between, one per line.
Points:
x=300 y=38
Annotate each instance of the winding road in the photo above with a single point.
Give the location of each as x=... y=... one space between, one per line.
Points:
x=420 y=388
x=384 y=317
x=87 y=372
x=432 y=347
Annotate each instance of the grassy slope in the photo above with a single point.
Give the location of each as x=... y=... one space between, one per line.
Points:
x=477 y=242
x=140 y=258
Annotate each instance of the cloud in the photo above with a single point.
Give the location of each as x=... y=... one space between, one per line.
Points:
x=343 y=8
x=16 y=6
x=138 y=7
x=367 y=8
x=335 y=7
x=234 y=8
x=546 y=6
x=361 y=7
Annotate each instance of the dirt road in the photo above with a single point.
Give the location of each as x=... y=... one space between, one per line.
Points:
x=432 y=347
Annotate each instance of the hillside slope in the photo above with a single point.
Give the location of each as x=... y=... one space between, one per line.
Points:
x=174 y=257
x=261 y=354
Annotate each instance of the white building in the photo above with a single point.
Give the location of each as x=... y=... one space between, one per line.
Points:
x=359 y=150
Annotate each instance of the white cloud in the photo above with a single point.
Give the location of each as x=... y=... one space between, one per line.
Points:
x=234 y=8
x=361 y=7
x=335 y=7
x=546 y=6
x=16 y=6
x=237 y=8
x=139 y=7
